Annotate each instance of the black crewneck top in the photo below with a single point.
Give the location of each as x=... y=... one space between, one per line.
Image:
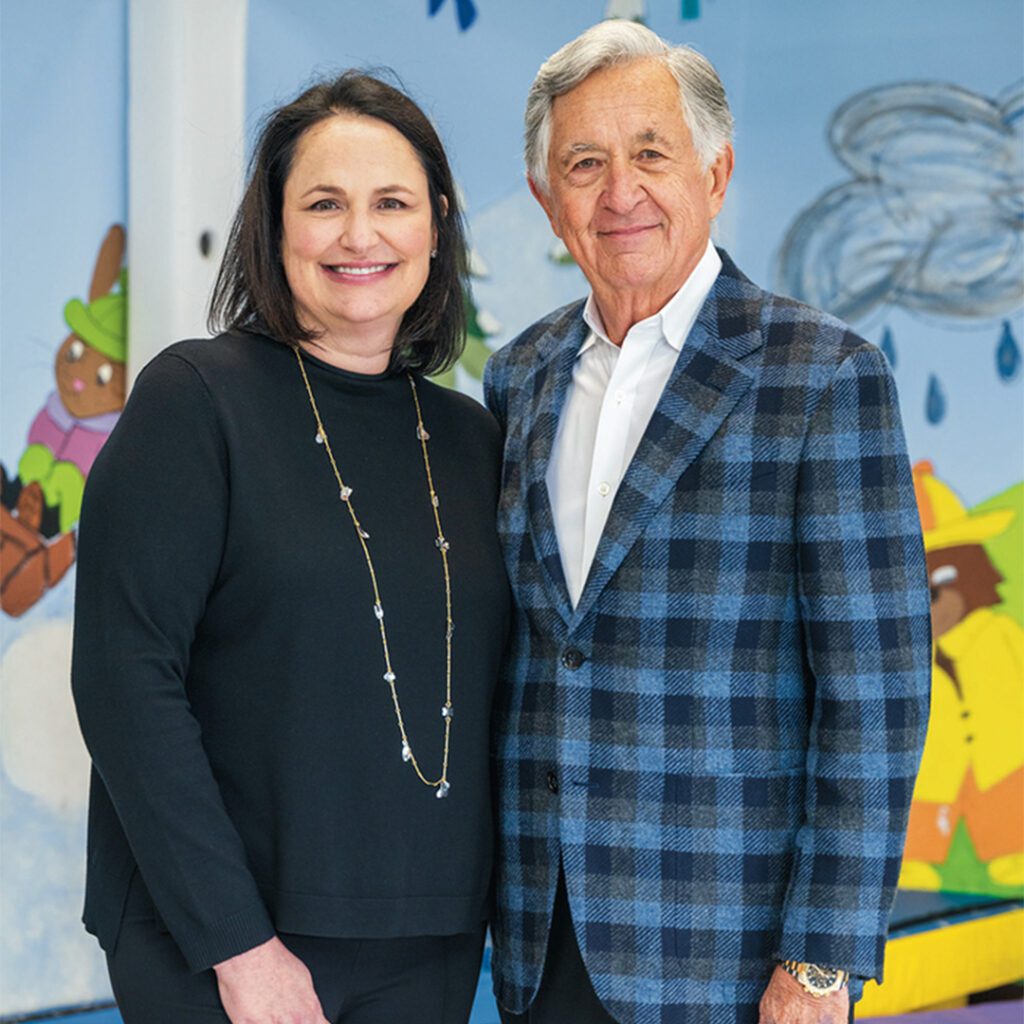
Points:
x=228 y=668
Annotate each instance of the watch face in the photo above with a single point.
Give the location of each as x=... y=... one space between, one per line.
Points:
x=821 y=977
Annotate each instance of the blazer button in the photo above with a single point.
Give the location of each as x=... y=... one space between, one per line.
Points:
x=552 y=781
x=572 y=658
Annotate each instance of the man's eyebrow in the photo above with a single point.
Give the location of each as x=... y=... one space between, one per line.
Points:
x=650 y=135
x=578 y=147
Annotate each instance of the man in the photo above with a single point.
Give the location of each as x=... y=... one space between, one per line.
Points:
x=717 y=684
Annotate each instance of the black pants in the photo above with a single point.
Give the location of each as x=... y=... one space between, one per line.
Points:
x=420 y=980
x=565 y=994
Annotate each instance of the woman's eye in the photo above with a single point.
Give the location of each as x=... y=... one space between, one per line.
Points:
x=104 y=374
x=75 y=351
x=392 y=204
x=324 y=204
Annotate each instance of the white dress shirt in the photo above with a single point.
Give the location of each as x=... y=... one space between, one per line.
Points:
x=612 y=395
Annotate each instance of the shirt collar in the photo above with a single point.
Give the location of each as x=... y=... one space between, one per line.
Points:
x=675 y=319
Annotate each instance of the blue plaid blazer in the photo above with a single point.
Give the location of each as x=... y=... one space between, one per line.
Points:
x=733 y=714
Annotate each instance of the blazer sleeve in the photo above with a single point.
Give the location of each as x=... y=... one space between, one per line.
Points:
x=495 y=389
x=152 y=531
x=864 y=602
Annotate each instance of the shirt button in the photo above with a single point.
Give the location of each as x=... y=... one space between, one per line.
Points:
x=572 y=658
x=620 y=397
x=603 y=488
x=552 y=781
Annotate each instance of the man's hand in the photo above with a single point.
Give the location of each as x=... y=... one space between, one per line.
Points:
x=268 y=984
x=785 y=1002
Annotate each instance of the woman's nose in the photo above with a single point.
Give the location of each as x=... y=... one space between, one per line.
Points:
x=358 y=233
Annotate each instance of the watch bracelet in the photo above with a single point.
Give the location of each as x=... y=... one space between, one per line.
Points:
x=795 y=968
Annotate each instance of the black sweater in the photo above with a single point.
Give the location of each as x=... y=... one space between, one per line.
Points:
x=227 y=663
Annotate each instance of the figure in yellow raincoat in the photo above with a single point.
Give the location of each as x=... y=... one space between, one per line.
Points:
x=973 y=763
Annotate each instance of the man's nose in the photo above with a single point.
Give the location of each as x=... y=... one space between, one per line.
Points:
x=623 y=188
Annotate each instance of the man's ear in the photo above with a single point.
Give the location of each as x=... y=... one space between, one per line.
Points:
x=545 y=201
x=719 y=174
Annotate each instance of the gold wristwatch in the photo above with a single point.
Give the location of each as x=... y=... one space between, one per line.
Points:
x=819 y=981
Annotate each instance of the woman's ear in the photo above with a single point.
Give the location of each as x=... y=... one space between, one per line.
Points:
x=442 y=201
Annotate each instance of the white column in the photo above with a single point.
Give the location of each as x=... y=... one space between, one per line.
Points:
x=186 y=153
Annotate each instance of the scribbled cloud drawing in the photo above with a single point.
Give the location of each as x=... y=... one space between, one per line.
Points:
x=933 y=215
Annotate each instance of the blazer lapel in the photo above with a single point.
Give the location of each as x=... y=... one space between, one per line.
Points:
x=705 y=384
x=550 y=384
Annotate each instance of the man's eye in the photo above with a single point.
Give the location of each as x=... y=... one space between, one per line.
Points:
x=588 y=163
x=650 y=154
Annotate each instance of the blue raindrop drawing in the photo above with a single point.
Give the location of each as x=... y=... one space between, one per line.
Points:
x=888 y=347
x=935 y=404
x=1008 y=353
x=465 y=10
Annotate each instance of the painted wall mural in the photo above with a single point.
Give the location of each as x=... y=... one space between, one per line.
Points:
x=967 y=821
x=63 y=294
x=41 y=500
x=931 y=219
x=931 y=222
x=465 y=11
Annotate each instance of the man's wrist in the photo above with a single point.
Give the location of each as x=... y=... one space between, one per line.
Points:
x=815 y=979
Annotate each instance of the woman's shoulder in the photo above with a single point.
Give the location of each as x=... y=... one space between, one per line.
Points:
x=227 y=367
x=232 y=352
x=466 y=410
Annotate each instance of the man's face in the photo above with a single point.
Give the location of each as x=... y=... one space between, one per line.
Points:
x=626 y=190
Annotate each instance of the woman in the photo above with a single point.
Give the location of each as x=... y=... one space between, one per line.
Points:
x=288 y=583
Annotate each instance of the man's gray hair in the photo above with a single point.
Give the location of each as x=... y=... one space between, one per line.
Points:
x=701 y=92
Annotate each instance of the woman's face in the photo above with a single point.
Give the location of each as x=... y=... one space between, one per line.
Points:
x=357 y=229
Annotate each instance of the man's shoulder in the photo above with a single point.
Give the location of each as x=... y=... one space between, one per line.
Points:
x=537 y=339
x=792 y=331
x=808 y=333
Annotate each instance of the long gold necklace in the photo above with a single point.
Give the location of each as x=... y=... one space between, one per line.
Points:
x=439 y=785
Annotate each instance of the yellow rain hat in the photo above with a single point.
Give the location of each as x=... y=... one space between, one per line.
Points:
x=945 y=521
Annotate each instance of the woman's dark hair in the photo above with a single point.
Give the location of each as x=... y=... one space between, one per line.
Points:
x=252 y=294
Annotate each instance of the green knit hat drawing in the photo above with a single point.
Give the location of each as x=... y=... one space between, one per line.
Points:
x=103 y=323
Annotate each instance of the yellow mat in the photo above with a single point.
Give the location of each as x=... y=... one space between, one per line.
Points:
x=945 y=963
